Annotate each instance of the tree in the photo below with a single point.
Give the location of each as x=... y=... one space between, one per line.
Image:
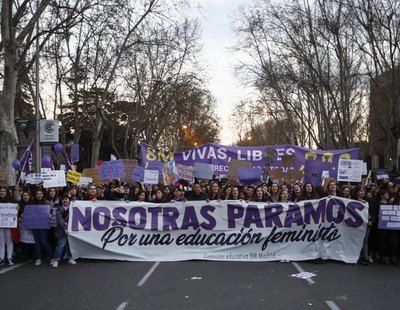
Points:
x=306 y=69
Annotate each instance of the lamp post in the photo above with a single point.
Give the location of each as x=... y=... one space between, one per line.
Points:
x=37 y=114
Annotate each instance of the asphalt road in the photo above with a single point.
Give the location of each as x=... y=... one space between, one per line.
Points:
x=198 y=285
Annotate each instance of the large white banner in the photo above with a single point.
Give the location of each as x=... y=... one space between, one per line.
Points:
x=329 y=228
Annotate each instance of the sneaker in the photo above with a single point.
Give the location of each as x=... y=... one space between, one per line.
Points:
x=370 y=259
x=10 y=262
x=54 y=263
x=38 y=262
x=2 y=262
x=72 y=261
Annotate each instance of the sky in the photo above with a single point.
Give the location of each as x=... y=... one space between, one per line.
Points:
x=218 y=37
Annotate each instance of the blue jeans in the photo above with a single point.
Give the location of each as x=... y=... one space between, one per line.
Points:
x=62 y=243
x=41 y=237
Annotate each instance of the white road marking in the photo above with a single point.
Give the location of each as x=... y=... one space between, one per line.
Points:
x=148 y=274
x=13 y=267
x=123 y=305
x=299 y=269
x=332 y=305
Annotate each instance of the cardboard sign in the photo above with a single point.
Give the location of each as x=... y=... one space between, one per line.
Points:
x=73 y=177
x=54 y=178
x=288 y=160
x=295 y=175
x=92 y=173
x=8 y=215
x=234 y=166
x=276 y=174
x=129 y=165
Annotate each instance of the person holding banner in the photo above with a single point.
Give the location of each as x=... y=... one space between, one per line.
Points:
x=92 y=193
x=41 y=235
x=5 y=233
x=196 y=193
x=61 y=233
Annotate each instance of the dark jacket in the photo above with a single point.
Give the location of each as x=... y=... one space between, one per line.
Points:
x=62 y=217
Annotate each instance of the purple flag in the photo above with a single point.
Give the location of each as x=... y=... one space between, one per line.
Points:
x=26 y=158
x=74 y=153
x=67 y=163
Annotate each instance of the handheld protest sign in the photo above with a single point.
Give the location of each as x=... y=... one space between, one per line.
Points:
x=270 y=155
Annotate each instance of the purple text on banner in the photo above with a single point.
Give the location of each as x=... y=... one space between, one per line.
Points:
x=74 y=153
x=389 y=217
x=114 y=169
x=36 y=217
x=138 y=174
x=249 y=175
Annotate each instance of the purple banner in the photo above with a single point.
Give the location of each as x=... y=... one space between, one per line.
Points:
x=74 y=153
x=389 y=217
x=220 y=155
x=36 y=217
x=114 y=169
x=249 y=175
x=138 y=174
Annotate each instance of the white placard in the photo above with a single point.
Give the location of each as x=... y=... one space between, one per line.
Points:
x=203 y=171
x=85 y=180
x=8 y=215
x=49 y=130
x=364 y=168
x=151 y=176
x=349 y=170
x=54 y=178
x=33 y=178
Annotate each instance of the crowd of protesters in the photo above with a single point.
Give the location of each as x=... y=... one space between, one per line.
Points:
x=379 y=245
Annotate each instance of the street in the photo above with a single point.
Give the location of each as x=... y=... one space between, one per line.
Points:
x=93 y=284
